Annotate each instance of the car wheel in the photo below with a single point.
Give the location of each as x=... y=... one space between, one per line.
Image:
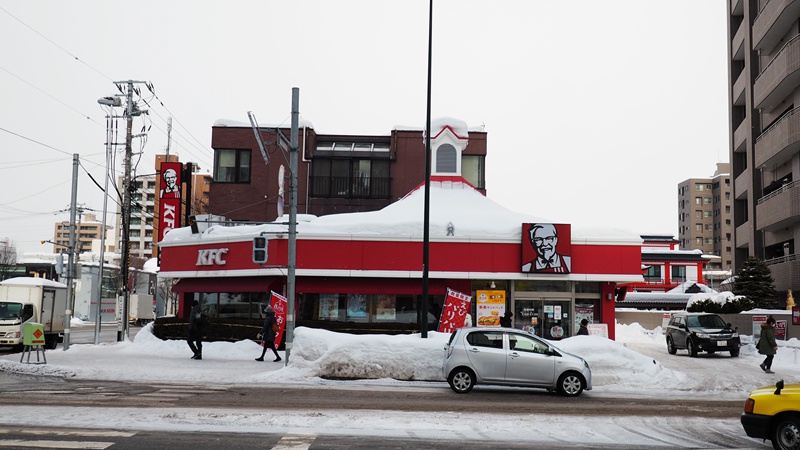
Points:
x=786 y=433
x=690 y=346
x=735 y=353
x=461 y=380
x=570 y=384
x=671 y=346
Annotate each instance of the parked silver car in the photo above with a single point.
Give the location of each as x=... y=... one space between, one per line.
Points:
x=512 y=357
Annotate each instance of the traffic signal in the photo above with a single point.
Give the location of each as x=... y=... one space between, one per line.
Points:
x=259 y=250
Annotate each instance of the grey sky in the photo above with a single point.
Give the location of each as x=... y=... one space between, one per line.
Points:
x=594 y=110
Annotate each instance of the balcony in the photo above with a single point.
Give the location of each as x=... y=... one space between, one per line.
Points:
x=779 y=208
x=786 y=272
x=780 y=141
x=737 y=7
x=743 y=235
x=740 y=135
x=350 y=187
x=737 y=44
x=741 y=185
x=773 y=21
x=780 y=77
x=739 y=90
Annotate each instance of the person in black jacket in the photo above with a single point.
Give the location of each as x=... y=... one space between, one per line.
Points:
x=195 y=339
x=505 y=321
x=584 y=329
x=268 y=335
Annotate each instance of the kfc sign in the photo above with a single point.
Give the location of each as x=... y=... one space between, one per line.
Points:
x=211 y=257
x=169 y=198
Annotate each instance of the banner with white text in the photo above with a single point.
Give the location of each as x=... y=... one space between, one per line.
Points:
x=280 y=305
x=455 y=311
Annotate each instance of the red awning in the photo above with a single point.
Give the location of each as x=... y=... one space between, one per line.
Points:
x=224 y=284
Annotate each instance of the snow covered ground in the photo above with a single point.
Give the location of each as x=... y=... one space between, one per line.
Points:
x=636 y=364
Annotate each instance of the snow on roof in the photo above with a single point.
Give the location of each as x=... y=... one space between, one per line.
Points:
x=230 y=123
x=151 y=265
x=681 y=288
x=31 y=281
x=452 y=201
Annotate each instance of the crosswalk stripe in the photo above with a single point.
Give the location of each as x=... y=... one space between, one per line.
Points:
x=87 y=433
x=55 y=444
x=295 y=442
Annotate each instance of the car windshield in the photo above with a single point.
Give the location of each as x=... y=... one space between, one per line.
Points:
x=10 y=311
x=710 y=321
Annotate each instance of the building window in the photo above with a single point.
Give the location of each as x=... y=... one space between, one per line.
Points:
x=698 y=187
x=698 y=214
x=698 y=227
x=679 y=273
x=653 y=273
x=472 y=167
x=707 y=200
x=708 y=226
x=232 y=166
x=350 y=178
x=446 y=156
x=698 y=200
x=706 y=213
x=699 y=241
x=727 y=210
x=709 y=241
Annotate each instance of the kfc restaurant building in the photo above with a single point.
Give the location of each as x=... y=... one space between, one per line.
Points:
x=362 y=272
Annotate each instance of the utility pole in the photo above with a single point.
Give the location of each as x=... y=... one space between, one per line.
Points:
x=71 y=249
x=127 y=188
x=292 y=254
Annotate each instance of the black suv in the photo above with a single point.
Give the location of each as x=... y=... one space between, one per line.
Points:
x=701 y=332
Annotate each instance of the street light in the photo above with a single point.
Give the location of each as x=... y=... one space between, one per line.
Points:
x=109 y=102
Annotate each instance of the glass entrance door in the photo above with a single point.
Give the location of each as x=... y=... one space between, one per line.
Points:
x=546 y=318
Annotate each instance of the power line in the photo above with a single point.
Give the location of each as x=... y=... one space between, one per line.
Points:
x=57 y=46
x=45 y=93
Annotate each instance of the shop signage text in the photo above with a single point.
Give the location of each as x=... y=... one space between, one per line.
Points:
x=211 y=257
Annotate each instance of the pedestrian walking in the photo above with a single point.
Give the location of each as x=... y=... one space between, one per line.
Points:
x=267 y=334
x=196 y=324
x=767 y=345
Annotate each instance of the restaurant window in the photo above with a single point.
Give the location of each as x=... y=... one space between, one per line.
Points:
x=679 y=273
x=231 y=166
x=367 y=308
x=233 y=305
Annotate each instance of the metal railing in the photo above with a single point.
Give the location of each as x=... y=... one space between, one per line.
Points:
x=779 y=191
x=350 y=187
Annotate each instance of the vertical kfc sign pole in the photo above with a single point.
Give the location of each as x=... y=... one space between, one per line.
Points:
x=280 y=305
x=454 y=313
x=169 y=198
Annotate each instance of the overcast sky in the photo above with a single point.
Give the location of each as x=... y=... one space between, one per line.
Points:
x=595 y=111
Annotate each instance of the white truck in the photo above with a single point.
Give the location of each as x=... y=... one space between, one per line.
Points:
x=141 y=309
x=27 y=299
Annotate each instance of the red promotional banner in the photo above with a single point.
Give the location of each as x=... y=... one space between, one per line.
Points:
x=169 y=198
x=280 y=305
x=454 y=313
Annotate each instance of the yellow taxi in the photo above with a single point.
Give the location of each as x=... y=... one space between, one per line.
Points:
x=773 y=412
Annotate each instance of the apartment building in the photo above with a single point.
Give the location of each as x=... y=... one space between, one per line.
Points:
x=764 y=91
x=88 y=229
x=705 y=216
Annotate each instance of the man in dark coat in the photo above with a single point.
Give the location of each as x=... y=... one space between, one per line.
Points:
x=767 y=345
x=268 y=335
x=195 y=339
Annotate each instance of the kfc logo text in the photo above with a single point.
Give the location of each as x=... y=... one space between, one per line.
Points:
x=210 y=257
